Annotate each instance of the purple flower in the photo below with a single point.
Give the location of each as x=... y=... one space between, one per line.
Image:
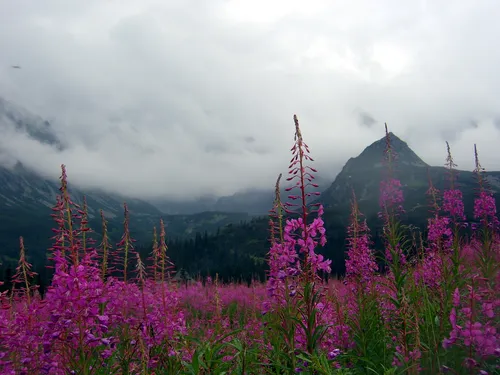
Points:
x=360 y=263
x=333 y=354
x=453 y=204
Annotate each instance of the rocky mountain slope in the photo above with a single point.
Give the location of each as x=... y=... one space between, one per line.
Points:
x=364 y=173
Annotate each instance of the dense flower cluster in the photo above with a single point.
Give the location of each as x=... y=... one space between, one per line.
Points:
x=453 y=204
x=474 y=323
x=391 y=194
x=294 y=255
x=360 y=263
x=485 y=209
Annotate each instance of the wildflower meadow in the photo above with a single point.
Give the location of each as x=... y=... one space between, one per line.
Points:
x=427 y=303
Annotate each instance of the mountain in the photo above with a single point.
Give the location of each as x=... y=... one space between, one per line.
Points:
x=27 y=198
x=254 y=202
x=364 y=173
x=184 y=207
x=24 y=189
x=239 y=251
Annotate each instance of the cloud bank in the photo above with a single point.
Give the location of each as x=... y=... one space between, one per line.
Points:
x=178 y=99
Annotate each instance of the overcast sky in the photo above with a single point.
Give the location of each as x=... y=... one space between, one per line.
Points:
x=197 y=96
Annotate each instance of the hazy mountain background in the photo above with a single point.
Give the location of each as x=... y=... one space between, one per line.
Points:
x=226 y=234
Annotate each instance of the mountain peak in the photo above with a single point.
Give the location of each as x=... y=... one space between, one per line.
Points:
x=363 y=173
x=372 y=155
x=394 y=138
x=396 y=142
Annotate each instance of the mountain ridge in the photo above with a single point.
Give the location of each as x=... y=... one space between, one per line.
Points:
x=255 y=202
x=364 y=173
x=27 y=198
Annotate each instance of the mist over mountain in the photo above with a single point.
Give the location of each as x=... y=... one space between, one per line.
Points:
x=27 y=196
x=14 y=118
x=362 y=173
x=255 y=201
x=15 y=121
x=211 y=225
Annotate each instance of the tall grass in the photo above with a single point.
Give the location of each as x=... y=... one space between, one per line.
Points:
x=432 y=308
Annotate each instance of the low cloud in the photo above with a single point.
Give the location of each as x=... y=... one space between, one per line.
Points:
x=178 y=99
x=365 y=119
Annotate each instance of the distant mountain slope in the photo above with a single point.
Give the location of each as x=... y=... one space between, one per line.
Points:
x=364 y=173
x=241 y=250
x=26 y=199
x=25 y=195
x=26 y=202
x=22 y=188
x=255 y=202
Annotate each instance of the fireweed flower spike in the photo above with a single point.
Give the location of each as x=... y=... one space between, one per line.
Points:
x=439 y=243
x=285 y=260
x=66 y=241
x=166 y=265
x=68 y=206
x=293 y=262
x=484 y=205
x=453 y=208
x=452 y=197
x=391 y=200
x=485 y=212
x=391 y=194
x=360 y=281
x=277 y=213
x=310 y=235
x=125 y=248
x=155 y=257
x=360 y=263
x=89 y=252
x=282 y=258
x=105 y=247
x=24 y=274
